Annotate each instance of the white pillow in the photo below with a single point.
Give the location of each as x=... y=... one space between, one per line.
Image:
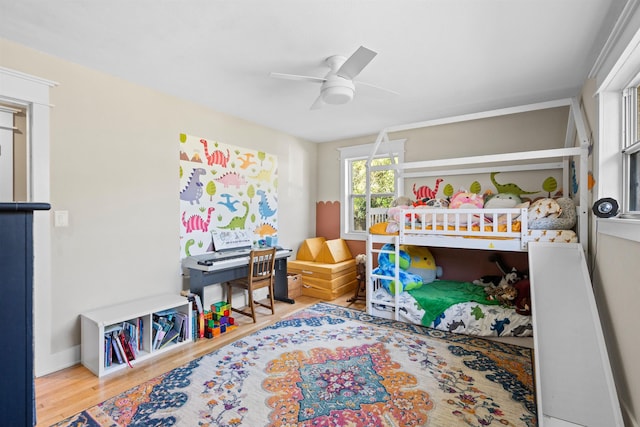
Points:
x=544 y=208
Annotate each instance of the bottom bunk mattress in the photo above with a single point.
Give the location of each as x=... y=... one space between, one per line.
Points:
x=451 y=306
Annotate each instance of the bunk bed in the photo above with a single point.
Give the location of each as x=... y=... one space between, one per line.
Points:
x=573 y=377
x=494 y=229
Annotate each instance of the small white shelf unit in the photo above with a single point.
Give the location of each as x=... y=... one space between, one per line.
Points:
x=93 y=324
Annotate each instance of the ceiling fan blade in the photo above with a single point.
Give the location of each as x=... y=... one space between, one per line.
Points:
x=369 y=85
x=297 y=77
x=318 y=103
x=356 y=63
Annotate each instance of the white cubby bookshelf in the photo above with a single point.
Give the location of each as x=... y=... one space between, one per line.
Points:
x=94 y=323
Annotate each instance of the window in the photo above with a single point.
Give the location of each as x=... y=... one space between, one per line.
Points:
x=631 y=151
x=383 y=183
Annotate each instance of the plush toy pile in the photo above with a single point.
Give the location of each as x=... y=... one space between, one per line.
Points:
x=511 y=289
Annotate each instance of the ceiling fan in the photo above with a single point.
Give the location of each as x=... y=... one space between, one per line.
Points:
x=337 y=87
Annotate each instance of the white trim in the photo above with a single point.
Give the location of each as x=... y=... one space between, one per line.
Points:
x=628 y=229
x=27 y=77
x=481 y=115
x=383 y=135
x=395 y=147
x=33 y=92
x=614 y=37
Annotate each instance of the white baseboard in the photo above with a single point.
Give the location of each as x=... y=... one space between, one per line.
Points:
x=58 y=361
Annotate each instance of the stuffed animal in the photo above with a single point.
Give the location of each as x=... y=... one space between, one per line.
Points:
x=466 y=200
x=387 y=266
x=522 y=302
x=509 y=276
x=503 y=281
x=422 y=263
x=504 y=295
x=511 y=289
x=501 y=200
x=394 y=214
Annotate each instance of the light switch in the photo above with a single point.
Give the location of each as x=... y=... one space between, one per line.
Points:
x=61 y=218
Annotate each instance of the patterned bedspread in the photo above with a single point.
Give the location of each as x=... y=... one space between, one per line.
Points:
x=471 y=318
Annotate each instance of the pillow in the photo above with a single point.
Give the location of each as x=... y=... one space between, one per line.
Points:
x=380 y=228
x=565 y=221
x=544 y=208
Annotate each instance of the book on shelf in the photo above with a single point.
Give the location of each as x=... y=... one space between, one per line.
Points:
x=170 y=337
x=124 y=341
x=165 y=321
x=117 y=348
x=108 y=351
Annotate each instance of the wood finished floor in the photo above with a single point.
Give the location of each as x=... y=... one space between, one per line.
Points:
x=64 y=393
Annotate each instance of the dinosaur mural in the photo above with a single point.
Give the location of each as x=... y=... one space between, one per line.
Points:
x=263 y=206
x=425 y=192
x=265 y=230
x=264 y=174
x=228 y=203
x=510 y=187
x=246 y=161
x=193 y=191
x=231 y=179
x=224 y=187
x=238 y=222
x=195 y=222
x=217 y=157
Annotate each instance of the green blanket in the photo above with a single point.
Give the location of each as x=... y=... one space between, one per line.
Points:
x=436 y=297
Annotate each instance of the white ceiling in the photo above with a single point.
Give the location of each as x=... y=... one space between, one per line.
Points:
x=443 y=57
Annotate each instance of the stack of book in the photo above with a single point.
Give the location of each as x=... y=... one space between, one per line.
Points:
x=169 y=327
x=123 y=342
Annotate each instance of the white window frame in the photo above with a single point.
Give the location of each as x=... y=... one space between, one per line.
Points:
x=616 y=70
x=361 y=152
x=630 y=147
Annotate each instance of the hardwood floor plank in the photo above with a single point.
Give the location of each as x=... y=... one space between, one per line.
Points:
x=66 y=392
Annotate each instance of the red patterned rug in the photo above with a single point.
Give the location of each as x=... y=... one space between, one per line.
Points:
x=333 y=366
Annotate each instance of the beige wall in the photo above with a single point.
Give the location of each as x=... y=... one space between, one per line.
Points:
x=114 y=168
x=616 y=280
x=535 y=130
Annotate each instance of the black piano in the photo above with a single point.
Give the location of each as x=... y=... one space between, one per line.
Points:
x=221 y=266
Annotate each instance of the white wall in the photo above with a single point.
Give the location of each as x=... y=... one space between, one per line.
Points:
x=114 y=168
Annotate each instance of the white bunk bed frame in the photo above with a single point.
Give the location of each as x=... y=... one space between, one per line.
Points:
x=573 y=354
x=454 y=232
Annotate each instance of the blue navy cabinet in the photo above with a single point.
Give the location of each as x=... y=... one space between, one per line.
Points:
x=17 y=401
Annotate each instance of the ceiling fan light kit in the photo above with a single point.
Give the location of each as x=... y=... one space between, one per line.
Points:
x=337 y=86
x=336 y=91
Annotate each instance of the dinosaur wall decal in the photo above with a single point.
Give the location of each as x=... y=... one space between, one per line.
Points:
x=193 y=191
x=237 y=222
x=228 y=203
x=263 y=206
x=425 y=193
x=196 y=223
x=510 y=187
x=217 y=157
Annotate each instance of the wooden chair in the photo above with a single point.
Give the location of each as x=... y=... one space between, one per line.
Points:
x=261 y=275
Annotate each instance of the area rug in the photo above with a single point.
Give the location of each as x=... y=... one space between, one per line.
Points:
x=334 y=366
